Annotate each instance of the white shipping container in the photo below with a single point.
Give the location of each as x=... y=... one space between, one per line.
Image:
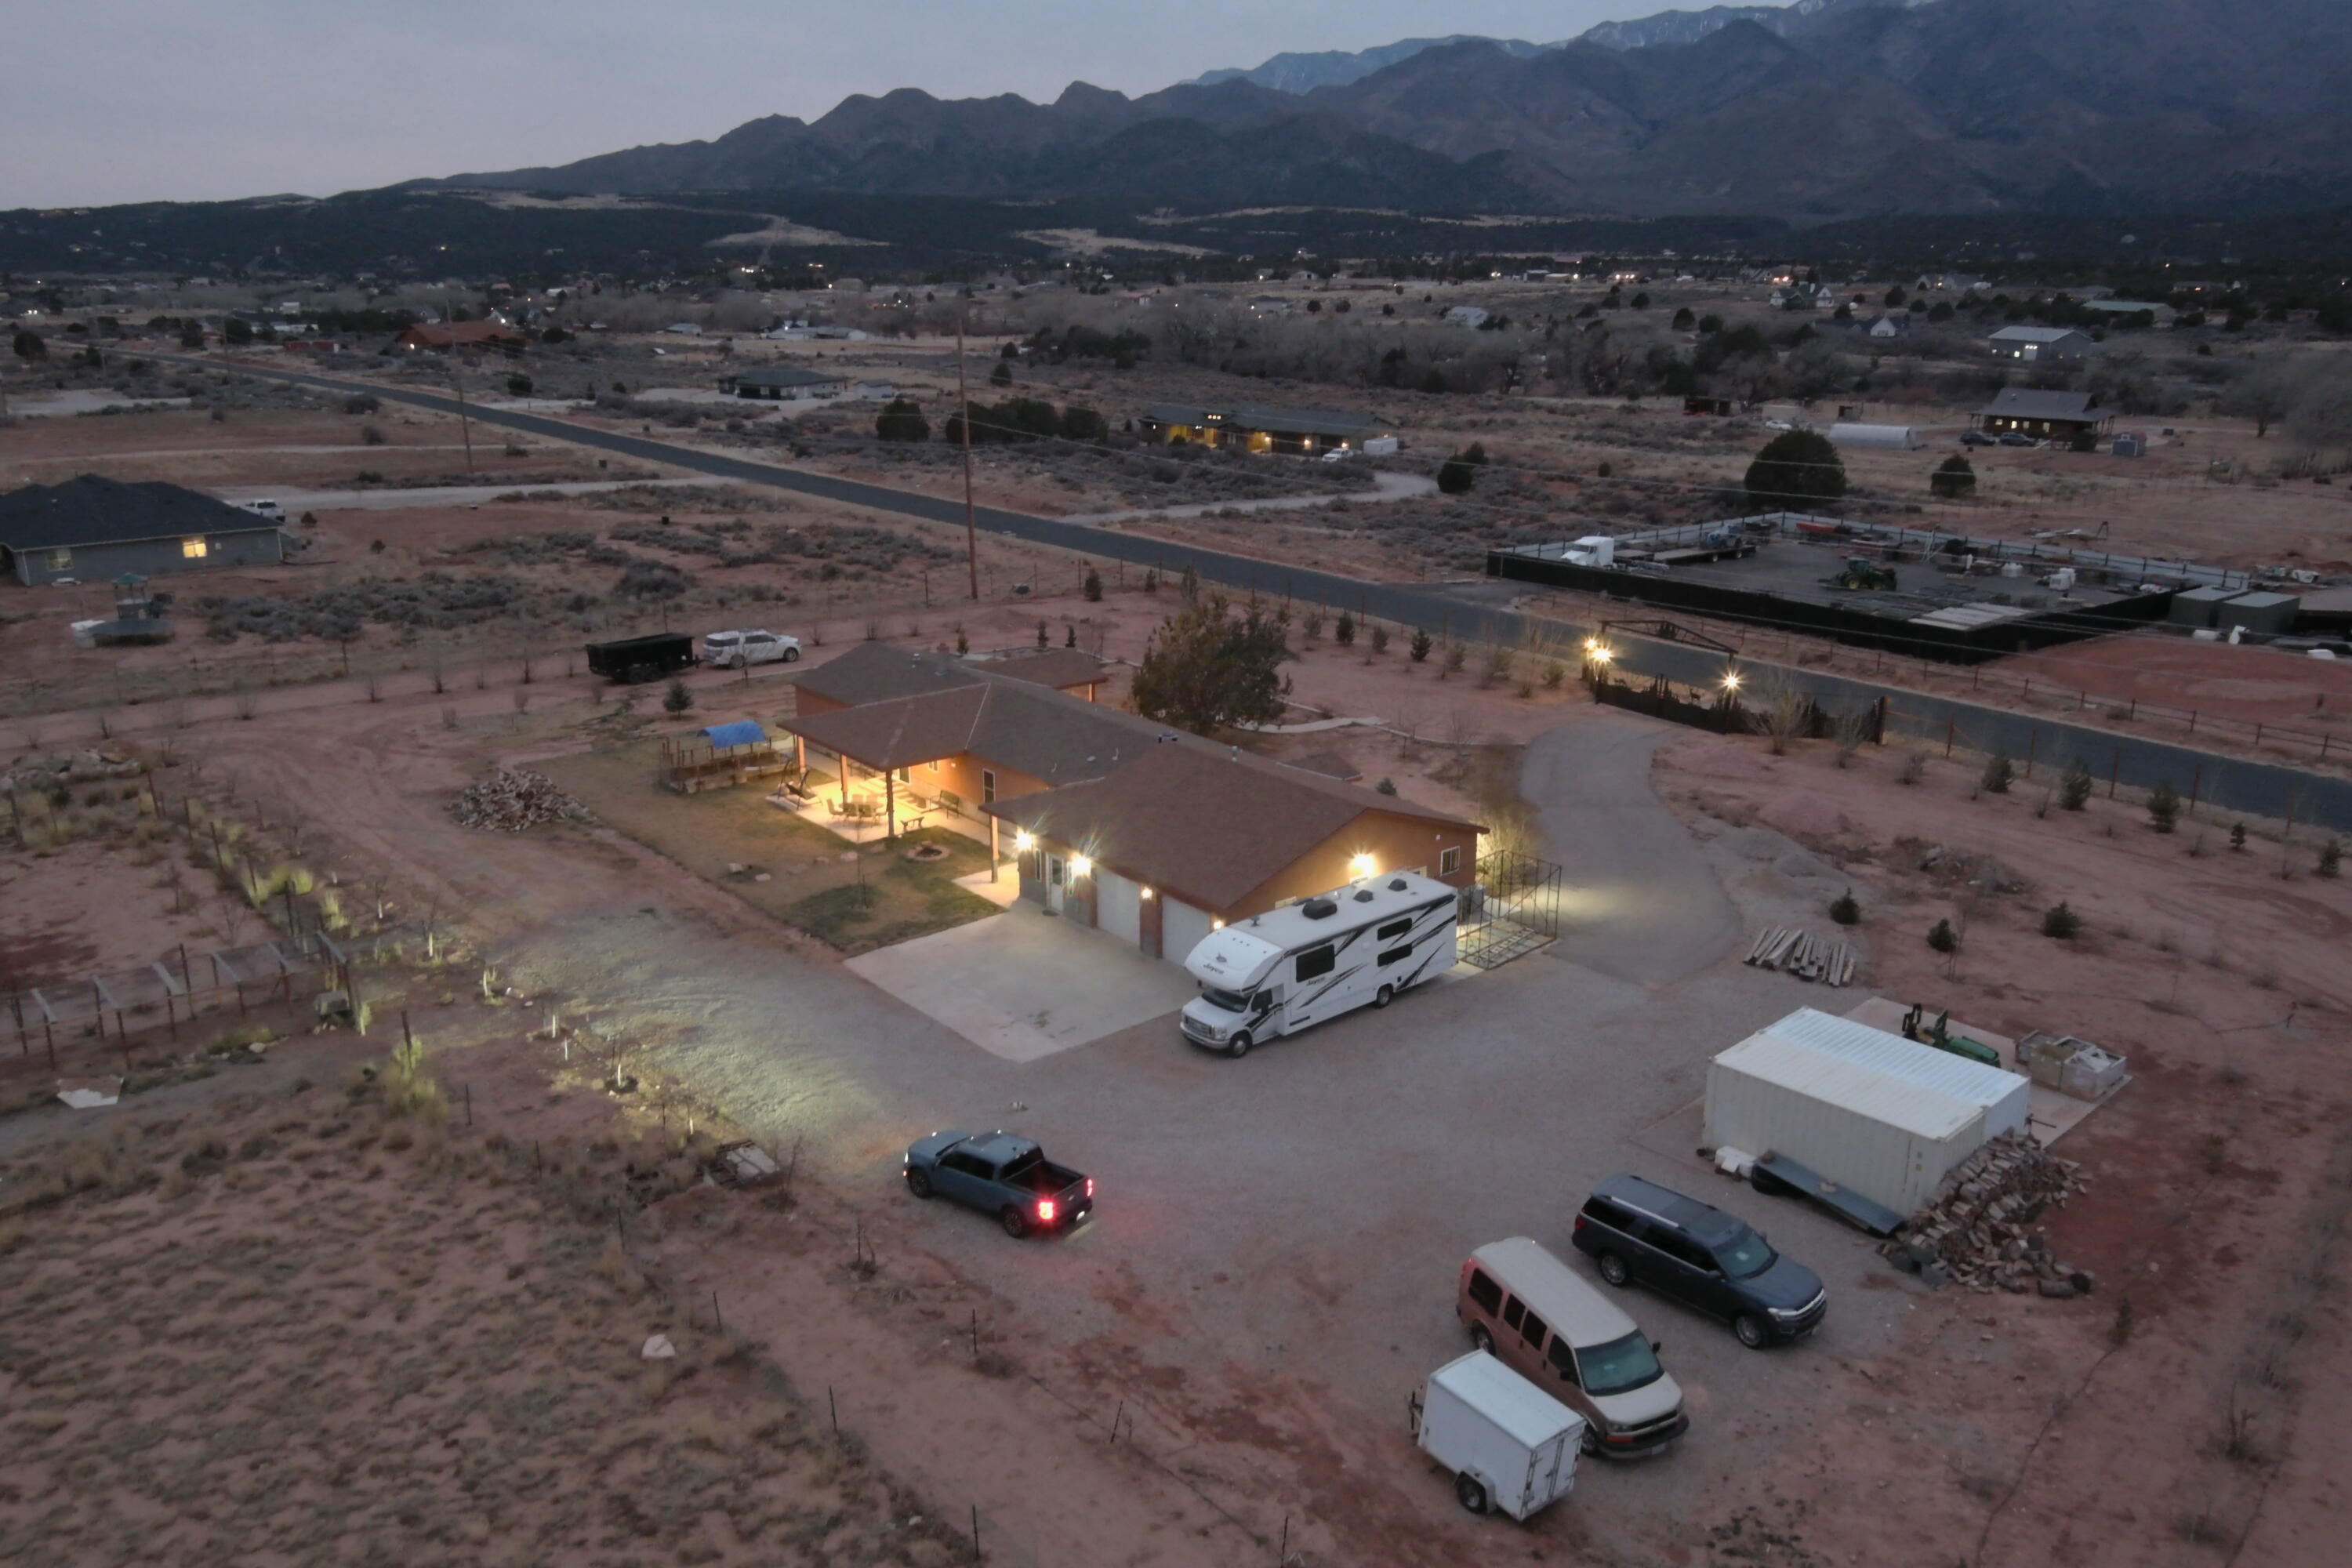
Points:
x=1510 y=1446
x=1871 y=1111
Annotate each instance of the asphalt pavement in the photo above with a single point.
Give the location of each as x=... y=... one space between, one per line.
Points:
x=2261 y=789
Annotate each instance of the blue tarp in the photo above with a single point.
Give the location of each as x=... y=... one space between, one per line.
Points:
x=742 y=733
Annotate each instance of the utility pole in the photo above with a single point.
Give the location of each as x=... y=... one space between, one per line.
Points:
x=963 y=405
x=465 y=423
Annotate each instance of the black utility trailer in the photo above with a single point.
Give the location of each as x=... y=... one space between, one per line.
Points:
x=633 y=661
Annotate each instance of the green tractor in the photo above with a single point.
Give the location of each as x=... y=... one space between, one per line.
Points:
x=1861 y=574
x=1940 y=1035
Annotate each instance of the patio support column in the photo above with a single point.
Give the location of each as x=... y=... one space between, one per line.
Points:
x=841 y=772
x=993 y=855
x=890 y=802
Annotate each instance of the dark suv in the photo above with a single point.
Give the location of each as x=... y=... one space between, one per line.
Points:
x=1701 y=1256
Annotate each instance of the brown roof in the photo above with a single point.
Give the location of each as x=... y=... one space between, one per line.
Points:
x=876 y=672
x=1047 y=734
x=1330 y=765
x=1206 y=825
x=1059 y=668
x=2023 y=403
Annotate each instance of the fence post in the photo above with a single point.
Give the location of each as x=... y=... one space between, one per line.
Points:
x=2114 y=768
x=2195 y=778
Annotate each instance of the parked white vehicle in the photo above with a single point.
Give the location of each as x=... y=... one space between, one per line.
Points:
x=733 y=650
x=269 y=509
x=1511 y=1446
x=1274 y=973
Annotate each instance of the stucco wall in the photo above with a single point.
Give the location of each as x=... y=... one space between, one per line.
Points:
x=149 y=558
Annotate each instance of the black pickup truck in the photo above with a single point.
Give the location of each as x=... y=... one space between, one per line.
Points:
x=633 y=661
x=1002 y=1174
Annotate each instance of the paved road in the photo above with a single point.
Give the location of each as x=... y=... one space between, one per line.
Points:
x=298 y=501
x=2265 y=789
x=1386 y=487
x=1645 y=906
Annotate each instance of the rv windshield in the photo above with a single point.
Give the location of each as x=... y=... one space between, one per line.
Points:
x=1618 y=1366
x=1231 y=1001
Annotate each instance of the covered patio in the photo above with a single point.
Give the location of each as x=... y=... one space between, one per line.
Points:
x=858 y=770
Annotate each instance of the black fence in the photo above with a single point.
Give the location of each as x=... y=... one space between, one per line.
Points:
x=1510 y=910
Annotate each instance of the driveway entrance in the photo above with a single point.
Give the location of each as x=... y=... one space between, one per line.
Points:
x=1022 y=985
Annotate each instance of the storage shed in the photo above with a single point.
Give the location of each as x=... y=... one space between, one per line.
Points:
x=2196 y=606
x=1898 y=437
x=2258 y=612
x=1872 y=1110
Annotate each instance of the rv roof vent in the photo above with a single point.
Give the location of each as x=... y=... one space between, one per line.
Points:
x=1319 y=909
x=1364 y=895
x=1396 y=884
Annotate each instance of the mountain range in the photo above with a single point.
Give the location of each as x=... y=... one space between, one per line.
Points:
x=1816 y=112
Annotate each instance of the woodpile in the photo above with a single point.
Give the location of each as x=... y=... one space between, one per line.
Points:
x=1979 y=1229
x=1805 y=956
x=513 y=799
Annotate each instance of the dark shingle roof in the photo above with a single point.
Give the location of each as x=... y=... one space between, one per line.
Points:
x=1059 y=668
x=1204 y=823
x=2019 y=403
x=93 y=510
x=876 y=672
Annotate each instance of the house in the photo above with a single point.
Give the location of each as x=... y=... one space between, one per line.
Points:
x=1189 y=837
x=440 y=337
x=2039 y=345
x=1257 y=428
x=1888 y=326
x=1117 y=820
x=1468 y=316
x=2127 y=309
x=784 y=381
x=2044 y=416
x=91 y=528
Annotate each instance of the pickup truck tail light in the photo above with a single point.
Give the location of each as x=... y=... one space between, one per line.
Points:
x=1580 y=1223
x=1045 y=1209
x=1090 y=1186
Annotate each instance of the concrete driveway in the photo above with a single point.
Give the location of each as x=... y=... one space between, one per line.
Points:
x=1024 y=984
x=1641 y=902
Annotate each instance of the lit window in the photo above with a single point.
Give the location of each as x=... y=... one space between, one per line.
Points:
x=60 y=560
x=194 y=549
x=1449 y=861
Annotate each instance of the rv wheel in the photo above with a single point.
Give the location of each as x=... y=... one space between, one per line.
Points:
x=1387 y=995
x=1472 y=1494
x=1239 y=1046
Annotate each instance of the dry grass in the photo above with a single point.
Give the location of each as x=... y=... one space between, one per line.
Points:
x=275 y=1335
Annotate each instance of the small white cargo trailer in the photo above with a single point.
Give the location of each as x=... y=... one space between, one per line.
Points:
x=1511 y=1446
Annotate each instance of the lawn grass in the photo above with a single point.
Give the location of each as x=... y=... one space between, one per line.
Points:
x=813 y=874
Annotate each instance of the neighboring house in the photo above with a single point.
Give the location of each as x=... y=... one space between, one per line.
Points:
x=784 y=381
x=440 y=337
x=2045 y=415
x=1256 y=428
x=1469 y=316
x=1152 y=834
x=1891 y=326
x=2039 y=345
x=2160 y=315
x=91 y=529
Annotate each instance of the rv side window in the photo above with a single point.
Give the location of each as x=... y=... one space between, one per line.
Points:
x=1513 y=1312
x=1394 y=929
x=1316 y=961
x=1484 y=1291
x=1533 y=1331
x=1395 y=955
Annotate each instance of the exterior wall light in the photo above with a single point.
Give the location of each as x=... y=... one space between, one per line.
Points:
x=1024 y=840
x=1080 y=866
x=1361 y=866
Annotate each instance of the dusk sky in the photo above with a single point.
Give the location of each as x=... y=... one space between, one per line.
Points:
x=121 y=100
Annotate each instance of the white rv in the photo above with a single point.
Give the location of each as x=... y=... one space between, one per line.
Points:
x=1272 y=975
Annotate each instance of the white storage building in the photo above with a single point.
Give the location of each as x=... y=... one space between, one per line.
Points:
x=1901 y=437
x=1873 y=1111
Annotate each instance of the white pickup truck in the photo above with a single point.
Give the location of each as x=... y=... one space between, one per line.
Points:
x=735 y=651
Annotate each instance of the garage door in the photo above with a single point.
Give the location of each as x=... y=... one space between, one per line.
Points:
x=1182 y=928
x=1119 y=906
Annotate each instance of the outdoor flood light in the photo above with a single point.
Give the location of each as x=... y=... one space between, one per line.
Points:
x=1080 y=866
x=1361 y=866
x=1024 y=840
x=1731 y=680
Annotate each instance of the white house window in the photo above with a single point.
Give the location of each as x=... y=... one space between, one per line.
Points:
x=60 y=560
x=932 y=767
x=1449 y=861
x=193 y=548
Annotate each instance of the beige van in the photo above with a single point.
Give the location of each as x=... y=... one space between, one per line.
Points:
x=1527 y=1308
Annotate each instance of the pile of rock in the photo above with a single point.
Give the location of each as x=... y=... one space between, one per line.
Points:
x=1977 y=1231
x=513 y=799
